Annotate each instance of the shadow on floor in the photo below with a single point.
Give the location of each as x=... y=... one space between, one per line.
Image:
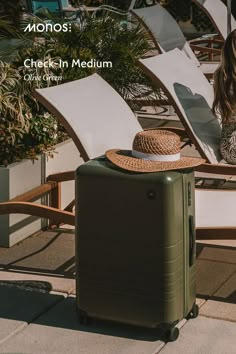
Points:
x=51 y=253
x=216 y=272
x=27 y=302
x=204 y=247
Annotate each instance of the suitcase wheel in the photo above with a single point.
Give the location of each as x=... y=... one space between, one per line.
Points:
x=172 y=334
x=194 y=312
x=84 y=319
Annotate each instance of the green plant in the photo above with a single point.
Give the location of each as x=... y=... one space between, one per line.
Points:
x=44 y=130
x=185 y=10
x=200 y=20
x=25 y=128
x=180 y=9
x=6 y=26
x=11 y=10
x=17 y=143
x=13 y=94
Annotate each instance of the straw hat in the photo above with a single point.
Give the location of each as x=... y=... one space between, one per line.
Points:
x=153 y=151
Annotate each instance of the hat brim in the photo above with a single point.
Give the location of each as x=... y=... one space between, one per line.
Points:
x=125 y=160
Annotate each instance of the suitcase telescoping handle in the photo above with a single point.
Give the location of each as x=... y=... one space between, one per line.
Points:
x=192 y=240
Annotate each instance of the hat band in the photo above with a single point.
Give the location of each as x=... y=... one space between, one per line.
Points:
x=152 y=157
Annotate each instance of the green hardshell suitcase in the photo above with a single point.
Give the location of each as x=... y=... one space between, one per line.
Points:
x=135 y=245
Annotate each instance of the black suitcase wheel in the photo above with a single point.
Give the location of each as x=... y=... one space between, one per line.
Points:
x=172 y=334
x=84 y=319
x=194 y=312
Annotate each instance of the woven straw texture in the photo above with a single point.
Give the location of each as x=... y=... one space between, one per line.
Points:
x=160 y=142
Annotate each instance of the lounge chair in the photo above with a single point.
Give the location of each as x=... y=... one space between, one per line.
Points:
x=191 y=96
x=97 y=119
x=216 y=11
x=167 y=35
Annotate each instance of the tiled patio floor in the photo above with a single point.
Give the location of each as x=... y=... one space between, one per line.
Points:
x=37 y=304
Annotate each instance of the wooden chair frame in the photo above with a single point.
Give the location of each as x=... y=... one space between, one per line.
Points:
x=207 y=46
x=22 y=204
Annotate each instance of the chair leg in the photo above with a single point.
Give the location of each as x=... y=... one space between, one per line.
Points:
x=70 y=206
x=55 y=201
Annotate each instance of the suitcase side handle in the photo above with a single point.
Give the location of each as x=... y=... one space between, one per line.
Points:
x=192 y=240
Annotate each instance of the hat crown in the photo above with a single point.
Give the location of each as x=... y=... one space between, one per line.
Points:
x=157 y=142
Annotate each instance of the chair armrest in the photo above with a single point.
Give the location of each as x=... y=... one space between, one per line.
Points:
x=42 y=211
x=35 y=193
x=207 y=41
x=207 y=62
x=204 y=49
x=62 y=176
x=221 y=169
